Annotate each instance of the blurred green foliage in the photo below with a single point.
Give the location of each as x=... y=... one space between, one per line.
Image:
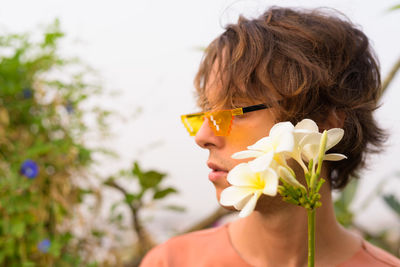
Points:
x=342 y=204
x=42 y=150
x=345 y=215
x=44 y=158
x=395 y=7
x=149 y=190
x=393 y=203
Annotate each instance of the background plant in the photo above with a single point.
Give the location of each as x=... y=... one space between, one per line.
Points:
x=346 y=215
x=42 y=150
x=148 y=183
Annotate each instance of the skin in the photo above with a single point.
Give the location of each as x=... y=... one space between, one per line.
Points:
x=222 y=147
x=275 y=234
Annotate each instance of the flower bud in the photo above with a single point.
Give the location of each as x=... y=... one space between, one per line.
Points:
x=287 y=175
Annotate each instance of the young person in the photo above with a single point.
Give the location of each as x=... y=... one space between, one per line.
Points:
x=286 y=65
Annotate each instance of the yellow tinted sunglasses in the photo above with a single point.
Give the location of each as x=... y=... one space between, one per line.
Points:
x=220 y=121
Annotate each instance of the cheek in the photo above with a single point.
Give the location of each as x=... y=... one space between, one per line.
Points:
x=243 y=135
x=240 y=138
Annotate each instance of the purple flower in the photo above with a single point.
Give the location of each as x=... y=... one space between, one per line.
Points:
x=27 y=93
x=29 y=168
x=44 y=245
x=69 y=107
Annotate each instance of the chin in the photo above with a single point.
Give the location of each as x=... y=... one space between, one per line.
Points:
x=218 y=193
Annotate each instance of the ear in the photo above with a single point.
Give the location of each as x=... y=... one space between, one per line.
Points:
x=335 y=119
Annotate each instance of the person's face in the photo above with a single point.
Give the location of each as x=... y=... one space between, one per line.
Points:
x=246 y=130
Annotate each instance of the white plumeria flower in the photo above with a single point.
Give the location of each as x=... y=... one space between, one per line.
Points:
x=301 y=130
x=247 y=187
x=272 y=147
x=307 y=141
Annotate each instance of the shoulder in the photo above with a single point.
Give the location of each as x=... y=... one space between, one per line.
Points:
x=193 y=249
x=370 y=255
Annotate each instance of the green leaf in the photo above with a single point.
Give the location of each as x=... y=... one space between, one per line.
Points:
x=347 y=195
x=164 y=192
x=98 y=233
x=9 y=246
x=393 y=203
x=2 y=256
x=85 y=191
x=150 y=179
x=28 y=264
x=342 y=205
x=175 y=208
x=84 y=155
x=394 y=7
x=129 y=198
x=55 y=248
x=39 y=149
x=18 y=229
x=136 y=171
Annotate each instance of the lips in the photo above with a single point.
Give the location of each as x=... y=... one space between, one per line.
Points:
x=217 y=172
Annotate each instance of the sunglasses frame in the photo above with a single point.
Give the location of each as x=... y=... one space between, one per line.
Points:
x=209 y=114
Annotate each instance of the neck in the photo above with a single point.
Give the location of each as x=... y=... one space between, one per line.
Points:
x=278 y=237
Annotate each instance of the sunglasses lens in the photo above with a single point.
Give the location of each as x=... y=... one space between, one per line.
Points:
x=192 y=123
x=220 y=121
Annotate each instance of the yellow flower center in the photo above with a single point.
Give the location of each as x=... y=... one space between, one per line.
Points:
x=257 y=182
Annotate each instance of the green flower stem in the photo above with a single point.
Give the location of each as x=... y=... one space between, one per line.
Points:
x=308 y=174
x=309 y=199
x=311 y=237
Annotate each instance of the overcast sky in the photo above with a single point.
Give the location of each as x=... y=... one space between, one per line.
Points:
x=149 y=51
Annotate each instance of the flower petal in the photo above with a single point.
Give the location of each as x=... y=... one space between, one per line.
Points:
x=334 y=137
x=264 y=144
x=334 y=157
x=271 y=182
x=261 y=163
x=280 y=128
x=250 y=205
x=296 y=155
x=240 y=175
x=310 y=151
x=247 y=154
x=280 y=159
x=311 y=139
x=234 y=194
x=306 y=125
x=286 y=142
x=286 y=175
x=242 y=203
x=302 y=129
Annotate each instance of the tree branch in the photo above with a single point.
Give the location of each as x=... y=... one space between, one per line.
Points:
x=145 y=240
x=390 y=76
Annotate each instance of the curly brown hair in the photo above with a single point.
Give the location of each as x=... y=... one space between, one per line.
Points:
x=307 y=64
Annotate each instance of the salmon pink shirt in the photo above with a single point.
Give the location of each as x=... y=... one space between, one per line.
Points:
x=212 y=248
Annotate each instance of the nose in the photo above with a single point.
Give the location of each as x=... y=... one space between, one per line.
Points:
x=205 y=137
